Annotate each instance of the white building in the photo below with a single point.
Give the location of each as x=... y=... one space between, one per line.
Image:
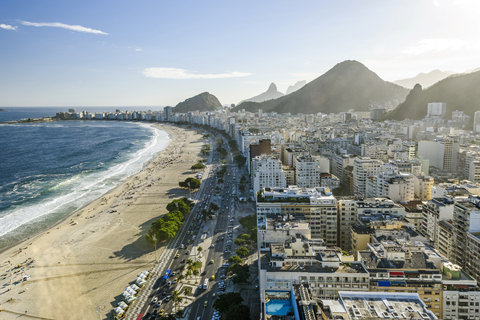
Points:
x=391 y=184
x=362 y=169
x=308 y=170
x=267 y=172
x=476 y=122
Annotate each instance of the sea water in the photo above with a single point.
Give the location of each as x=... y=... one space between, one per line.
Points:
x=49 y=170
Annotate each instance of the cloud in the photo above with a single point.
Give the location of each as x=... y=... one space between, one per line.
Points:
x=427 y=45
x=7 y=27
x=63 y=26
x=138 y=49
x=173 y=73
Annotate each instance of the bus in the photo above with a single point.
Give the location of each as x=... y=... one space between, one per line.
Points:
x=205 y=284
x=167 y=275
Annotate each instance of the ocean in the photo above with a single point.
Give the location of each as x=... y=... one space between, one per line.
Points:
x=49 y=170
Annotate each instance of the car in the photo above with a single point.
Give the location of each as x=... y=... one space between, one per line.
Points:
x=181 y=246
x=161 y=312
x=188 y=251
x=173 y=273
x=174 y=281
x=154 y=300
x=183 y=261
x=169 y=283
x=188 y=242
x=204 y=273
x=167 y=299
x=212 y=278
x=158 y=304
x=222 y=277
x=206 y=303
x=213 y=295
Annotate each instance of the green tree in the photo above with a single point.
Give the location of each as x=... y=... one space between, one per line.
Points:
x=242 y=252
x=245 y=236
x=239 y=242
x=197 y=166
x=249 y=222
x=190 y=183
x=214 y=207
x=181 y=277
x=235 y=259
x=238 y=312
x=188 y=274
x=182 y=205
x=176 y=298
x=195 y=272
x=226 y=300
x=187 y=291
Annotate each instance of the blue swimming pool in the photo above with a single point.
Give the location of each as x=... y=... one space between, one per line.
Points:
x=278 y=307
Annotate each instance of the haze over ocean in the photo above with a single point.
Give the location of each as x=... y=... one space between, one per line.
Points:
x=48 y=170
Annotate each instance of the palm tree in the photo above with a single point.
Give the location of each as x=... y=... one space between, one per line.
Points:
x=199 y=249
x=181 y=268
x=176 y=298
x=187 y=291
x=189 y=273
x=195 y=272
x=179 y=313
x=181 y=277
x=189 y=261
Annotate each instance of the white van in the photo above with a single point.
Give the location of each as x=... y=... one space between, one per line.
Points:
x=205 y=284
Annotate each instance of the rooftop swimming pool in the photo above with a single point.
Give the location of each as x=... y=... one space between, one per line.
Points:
x=278 y=307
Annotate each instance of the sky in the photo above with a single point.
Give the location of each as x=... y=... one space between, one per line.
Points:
x=158 y=53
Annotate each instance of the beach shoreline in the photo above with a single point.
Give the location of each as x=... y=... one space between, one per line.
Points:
x=83 y=262
x=156 y=155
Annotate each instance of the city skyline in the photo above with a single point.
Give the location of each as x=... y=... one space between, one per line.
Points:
x=130 y=54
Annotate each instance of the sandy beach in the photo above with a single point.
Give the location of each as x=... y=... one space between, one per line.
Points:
x=79 y=268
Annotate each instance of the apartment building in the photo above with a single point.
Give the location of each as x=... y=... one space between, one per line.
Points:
x=434 y=211
x=266 y=171
x=363 y=168
x=308 y=169
x=317 y=204
x=444 y=241
x=391 y=184
x=466 y=219
x=347 y=218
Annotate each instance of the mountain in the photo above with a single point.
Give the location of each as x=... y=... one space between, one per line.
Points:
x=424 y=79
x=296 y=86
x=202 y=102
x=472 y=70
x=460 y=92
x=348 y=85
x=271 y=93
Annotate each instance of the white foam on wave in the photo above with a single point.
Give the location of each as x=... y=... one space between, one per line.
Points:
x=81 y=189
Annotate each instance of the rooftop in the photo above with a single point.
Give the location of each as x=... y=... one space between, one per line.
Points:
x=385 y=305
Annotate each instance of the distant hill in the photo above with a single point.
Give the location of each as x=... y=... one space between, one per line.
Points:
x=202 y=102
x=296 y=86
x=271 y=93
x=460 y=92
x=424 y=79
x=348 y=85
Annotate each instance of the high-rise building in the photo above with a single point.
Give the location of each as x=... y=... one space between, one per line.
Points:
x=363 y=168
x=308 y=169
x=476 y=121
x=267 y=172
x=466 y=219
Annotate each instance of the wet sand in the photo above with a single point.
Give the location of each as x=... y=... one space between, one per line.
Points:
x=79 y=268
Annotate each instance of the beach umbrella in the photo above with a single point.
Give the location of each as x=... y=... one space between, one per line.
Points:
x=130 y=299
x=142 y=275
x=118 y=310
x=126 y=294
x=122 y=305
x=134 y=287
x=141 y=283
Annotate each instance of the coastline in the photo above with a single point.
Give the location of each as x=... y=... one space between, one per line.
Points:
x=121 y=182
x=107 y=247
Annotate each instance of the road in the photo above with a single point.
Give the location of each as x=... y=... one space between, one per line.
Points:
x=213 y=249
